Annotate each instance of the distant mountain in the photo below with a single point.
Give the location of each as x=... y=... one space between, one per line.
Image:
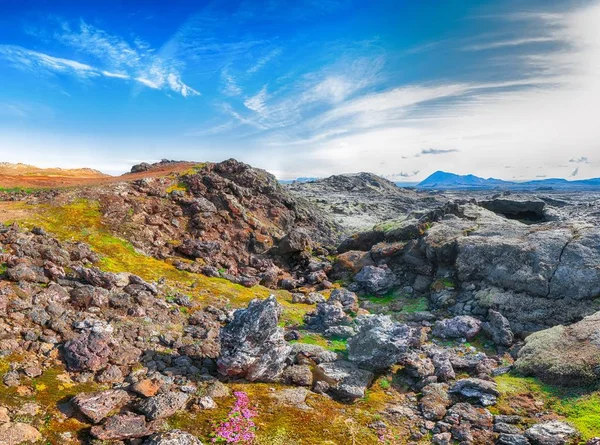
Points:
x=297 y=180
x=444 y=180
x=24 y=170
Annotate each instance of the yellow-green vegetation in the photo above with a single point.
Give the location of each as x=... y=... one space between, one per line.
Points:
x=408 y=305
x=48 y=391
x=26 y=190
x=179 y=186
x=81 y=220
x=328 y=422
x=333 y=344
x=579 y=406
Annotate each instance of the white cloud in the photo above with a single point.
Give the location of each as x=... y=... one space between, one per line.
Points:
x=533 y=121
x=262 y=61
x=509 y=43
x=112 y=57
x=257 y=103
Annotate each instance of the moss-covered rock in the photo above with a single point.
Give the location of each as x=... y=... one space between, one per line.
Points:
x=564 y=355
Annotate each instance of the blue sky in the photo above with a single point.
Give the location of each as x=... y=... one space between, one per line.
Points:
x=508 y=89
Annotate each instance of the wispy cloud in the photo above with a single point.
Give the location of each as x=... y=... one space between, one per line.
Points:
x=262 y=61
x=110 y=56
x=575 y=172
x=436 y=151
x=508 y=43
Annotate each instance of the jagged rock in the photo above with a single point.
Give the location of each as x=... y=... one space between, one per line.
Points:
x=381 y=343
x=375 y=280
x=310 y=298
x=96 y=277
x=146 y=387
x=462 y=326
x=344 y=379
x=18 y=433
x=551 y=433
x=485 y=392
x=347 y=299
x=299 y=375
x=417 y=365
x=434 y=401
x=98 y=405
x=498 y=327
x=88 y=352
x=173 y=437
x=298 y=240
x=512 y=439
x=163 y=405
x=441 y=439
x=23 y=272
x=253 y=345
x=441 y=362
x=121 y=427
x=563 y=355
x=516 y=207
x=327 y=315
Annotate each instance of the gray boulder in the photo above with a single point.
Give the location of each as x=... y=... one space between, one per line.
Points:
x=551 y=433
x=462 y=326
x=517 y=207
x=253 y=345
x=347 y=299
x=381 y=343
x=483 y=391
x=563 y=355
x=173 y=437
x=375 y=280
x=498 y=327
x=512 y=439
x=345 y=380
x=163 y=405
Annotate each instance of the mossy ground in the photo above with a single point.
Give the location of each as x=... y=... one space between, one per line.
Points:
x=49 y=391
x=578 y=406
x=81 y=220
x=327 y=422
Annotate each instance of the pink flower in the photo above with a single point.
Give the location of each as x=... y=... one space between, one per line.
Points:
x=238 y=427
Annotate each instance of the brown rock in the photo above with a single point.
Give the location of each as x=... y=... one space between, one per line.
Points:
x=122 y=426
x=146 y=387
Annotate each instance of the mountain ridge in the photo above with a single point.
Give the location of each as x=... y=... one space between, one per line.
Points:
x=446 y=180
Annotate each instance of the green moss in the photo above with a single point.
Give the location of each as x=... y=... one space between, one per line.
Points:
x=441 y=284
x=416 y=305
x=579 y=406
x=27 y=190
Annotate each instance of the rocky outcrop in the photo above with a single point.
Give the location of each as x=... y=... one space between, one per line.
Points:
x=253 y=345
x=344 y=380
x=462 y=326
x=97 y=406
x=551 y=433
x=173 y=437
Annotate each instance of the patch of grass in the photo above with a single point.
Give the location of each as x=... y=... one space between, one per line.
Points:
x=3 y=268
x=27 y=190
x=579 y=406
x=416 y=305
x=334 y=344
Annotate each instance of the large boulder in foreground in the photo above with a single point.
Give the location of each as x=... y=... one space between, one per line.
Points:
x=381 y=343
x=551 y=433
x=564 y=355
x=252 y=345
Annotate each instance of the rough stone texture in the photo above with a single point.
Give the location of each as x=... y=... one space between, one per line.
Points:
x=88 y=352
x=121 y=427
x=518 y=207
x=483 y=391
x=434 y=401
x=381 y=343
x=253 y=345
x=461 y=326
x=551 y=433
x=18 y=433
x=163 y=405
x=564 y=355
x=345 y=380
x=498 y=327
x=375 y=280
x=173 y=437
x=98 y=405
